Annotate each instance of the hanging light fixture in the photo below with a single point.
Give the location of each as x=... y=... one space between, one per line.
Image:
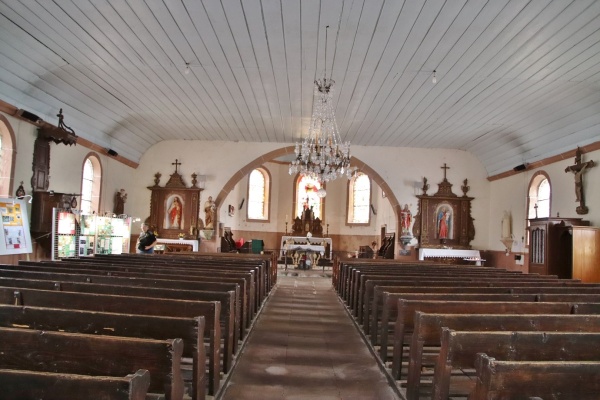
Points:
x=322 y=155
x=434 y=79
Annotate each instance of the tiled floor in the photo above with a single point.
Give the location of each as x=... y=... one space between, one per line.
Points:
x=304 y=346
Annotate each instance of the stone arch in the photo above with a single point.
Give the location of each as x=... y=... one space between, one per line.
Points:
x=245 y=170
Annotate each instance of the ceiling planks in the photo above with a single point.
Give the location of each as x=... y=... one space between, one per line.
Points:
x=517 y=80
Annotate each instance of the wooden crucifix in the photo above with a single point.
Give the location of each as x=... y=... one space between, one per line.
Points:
x=176 y=164
x=445 y=168
x=578 y=169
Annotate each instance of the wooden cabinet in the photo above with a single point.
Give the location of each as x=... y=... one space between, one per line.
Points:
x=551 y=245
x=586 y=253
x=41 y=209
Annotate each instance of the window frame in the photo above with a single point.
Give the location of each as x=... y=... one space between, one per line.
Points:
x=267 y=196
x=96 y=182
x=350 y=200
x=532 y=192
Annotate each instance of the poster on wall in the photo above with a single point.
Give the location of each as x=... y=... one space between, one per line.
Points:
x=14 y=236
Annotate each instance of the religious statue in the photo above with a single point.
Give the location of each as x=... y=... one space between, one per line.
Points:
x=578 y=169
x=209 y=211
x=120 y=199
x=174 y=213
x=406 y=220
x=20 y=191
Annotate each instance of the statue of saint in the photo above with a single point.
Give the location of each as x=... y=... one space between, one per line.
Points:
x=120 y=199
x=406 y=220
x=209 y=211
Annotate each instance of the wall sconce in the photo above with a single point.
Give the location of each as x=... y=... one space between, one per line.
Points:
x=24 y=197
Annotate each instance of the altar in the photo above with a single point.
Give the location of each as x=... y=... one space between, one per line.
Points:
x=450 y=253
x=179 y=243
x=296 y=241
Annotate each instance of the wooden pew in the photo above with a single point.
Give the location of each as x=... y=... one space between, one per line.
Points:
x=245 y=280
x=134 y=305
x=189 y=330
x=75 y=353
x=361 y=277
x=185 y=260
x=389 y=299
x=182 y=264
x=560 y=380
x=33 y=385
x=407 y=308
x=459 y=349
x=388 y=317
x=490 y=278
x=255 y=282
x=428 y=328
x=226 y=299
x=127 y=281
x=373 y=313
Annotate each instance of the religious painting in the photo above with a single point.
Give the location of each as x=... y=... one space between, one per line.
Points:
x=444 y=221
x=174 y=212
x=231 y=210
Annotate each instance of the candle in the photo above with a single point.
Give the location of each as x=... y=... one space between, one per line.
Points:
x=286 y=217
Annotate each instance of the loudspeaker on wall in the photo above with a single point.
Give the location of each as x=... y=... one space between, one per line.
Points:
x=111 y=152
x=28 y=116
x=521 y=167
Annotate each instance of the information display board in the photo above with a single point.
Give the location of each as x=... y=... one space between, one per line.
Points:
x=14 y=236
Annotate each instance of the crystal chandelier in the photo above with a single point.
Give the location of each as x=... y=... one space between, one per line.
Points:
x=322 y=155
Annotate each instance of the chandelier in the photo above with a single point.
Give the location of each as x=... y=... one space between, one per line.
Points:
x=322 y=155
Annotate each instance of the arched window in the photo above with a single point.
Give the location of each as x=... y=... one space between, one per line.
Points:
x=259 y=184
x=359 y=199
x=91 y=182
x=7 y=157
x=307 y=197
x=539 y=196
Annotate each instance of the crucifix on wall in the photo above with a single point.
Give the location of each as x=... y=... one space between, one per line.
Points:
x=578 y=169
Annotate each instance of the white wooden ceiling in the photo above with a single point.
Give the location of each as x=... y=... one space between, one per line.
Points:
x=517 y=80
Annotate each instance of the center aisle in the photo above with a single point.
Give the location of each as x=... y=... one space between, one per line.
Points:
x=305 y=346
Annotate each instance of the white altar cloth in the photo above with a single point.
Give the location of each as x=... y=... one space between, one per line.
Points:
x=194 y=243
x=450 y=253
x=303 y=241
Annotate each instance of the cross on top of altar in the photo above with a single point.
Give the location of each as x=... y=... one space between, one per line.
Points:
x=445 y=168
x=176 y=164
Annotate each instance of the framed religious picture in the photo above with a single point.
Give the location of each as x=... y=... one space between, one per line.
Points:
x=231 y=210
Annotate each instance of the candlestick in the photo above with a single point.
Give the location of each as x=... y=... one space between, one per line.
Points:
x=286 y=227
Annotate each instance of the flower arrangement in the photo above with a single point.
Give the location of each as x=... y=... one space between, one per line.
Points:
x=181 y=235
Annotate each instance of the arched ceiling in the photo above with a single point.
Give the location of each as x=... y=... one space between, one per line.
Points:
x=517 y=80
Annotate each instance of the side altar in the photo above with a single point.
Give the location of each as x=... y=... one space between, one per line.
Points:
x=444 y=219
x=444 y=222
x=174 y=208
